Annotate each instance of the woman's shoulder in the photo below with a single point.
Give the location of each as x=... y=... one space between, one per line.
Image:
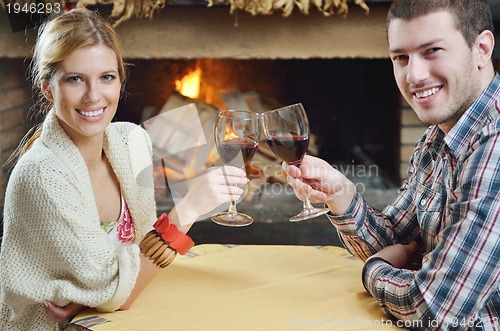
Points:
x=131 y=134
x=123 y=128
x=38 y=156
x=37 y=163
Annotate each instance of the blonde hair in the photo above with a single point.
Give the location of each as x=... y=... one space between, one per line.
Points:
x=57 y=39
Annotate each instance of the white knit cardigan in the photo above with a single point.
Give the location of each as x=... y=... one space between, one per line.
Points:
x=53 y=246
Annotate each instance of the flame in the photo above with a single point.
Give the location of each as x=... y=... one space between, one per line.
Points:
x=189 y=85
x=230 y=134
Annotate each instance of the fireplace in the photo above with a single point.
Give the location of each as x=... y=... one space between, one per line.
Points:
x=337 y=67
x=350 y=102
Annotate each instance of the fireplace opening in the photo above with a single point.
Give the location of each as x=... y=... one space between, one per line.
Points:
x=352 y=104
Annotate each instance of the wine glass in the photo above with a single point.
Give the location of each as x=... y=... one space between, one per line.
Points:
x=287 y=133
x=236 y=134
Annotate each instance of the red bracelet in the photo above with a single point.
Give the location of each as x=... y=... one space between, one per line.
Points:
x=169 y=232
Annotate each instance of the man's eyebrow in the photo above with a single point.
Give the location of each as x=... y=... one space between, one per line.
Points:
x=421 y=46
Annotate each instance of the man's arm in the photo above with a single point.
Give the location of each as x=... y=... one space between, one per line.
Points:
x=462 y=271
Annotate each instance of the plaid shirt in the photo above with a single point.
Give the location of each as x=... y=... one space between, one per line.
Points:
x=451 y=204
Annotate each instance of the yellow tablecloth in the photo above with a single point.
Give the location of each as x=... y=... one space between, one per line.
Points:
x=251 y=288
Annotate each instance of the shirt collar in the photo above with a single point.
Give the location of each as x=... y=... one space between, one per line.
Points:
x=472 y=120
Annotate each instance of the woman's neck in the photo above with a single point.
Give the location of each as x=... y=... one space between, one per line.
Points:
x=92 y=152
x=90 y=147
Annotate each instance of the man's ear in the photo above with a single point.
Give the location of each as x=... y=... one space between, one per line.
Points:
x=484 y=46
x=47 y=92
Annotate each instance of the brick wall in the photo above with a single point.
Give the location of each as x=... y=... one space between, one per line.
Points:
x=15 y=102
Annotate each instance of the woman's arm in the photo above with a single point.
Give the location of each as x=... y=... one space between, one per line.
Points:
x=216 y=187
x=146 y=274
x=219 y=185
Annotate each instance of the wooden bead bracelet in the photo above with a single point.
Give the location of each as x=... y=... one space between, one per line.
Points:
x=162 y=244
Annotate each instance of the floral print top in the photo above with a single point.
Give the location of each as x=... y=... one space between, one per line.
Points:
x=121 y=231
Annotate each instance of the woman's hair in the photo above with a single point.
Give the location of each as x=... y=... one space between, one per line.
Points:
x=471 y=16
x=57 y=39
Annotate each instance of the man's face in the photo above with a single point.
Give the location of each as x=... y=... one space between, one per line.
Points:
x=434 y=68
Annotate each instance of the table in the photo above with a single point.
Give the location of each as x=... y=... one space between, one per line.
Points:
x=251 y=287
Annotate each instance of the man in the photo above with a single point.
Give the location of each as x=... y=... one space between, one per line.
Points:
x=447 y=213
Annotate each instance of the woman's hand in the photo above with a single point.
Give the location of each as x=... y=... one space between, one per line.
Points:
x=61 y=314
x=219 y=185
x=321 y=183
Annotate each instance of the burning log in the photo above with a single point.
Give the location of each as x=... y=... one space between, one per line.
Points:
x=264 y=167
x=190 y=162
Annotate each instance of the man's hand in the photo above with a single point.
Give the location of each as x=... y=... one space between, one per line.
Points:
x=321 y=182
x=401 y=256
x=61 y=314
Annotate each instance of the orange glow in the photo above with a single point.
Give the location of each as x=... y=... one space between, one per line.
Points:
x=230 y=135
x=189 y=85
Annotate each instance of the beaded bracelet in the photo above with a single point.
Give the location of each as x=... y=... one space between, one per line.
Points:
x=162 y=244
x=156 y=249
x=169 y=232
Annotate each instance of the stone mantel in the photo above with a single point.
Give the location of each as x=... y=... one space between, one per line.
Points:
x=198 y=32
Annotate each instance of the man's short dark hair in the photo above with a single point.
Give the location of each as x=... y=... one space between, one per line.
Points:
x=471 y=16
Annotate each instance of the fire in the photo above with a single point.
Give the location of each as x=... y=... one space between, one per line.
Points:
x=230 y=135
x=189 y=85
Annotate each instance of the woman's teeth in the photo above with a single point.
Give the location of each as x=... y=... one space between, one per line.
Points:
x=91 y=113
x=427 y=93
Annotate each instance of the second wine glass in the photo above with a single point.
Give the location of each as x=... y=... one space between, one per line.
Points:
x=236 y=135
x=287 y=134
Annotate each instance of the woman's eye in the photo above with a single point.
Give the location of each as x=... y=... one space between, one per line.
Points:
x=73 y=79
x=108 y=77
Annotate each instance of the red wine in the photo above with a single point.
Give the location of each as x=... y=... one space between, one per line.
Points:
x=229 y=150
x=290 y=149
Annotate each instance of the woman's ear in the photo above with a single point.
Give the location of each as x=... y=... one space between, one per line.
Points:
x=47 y=92
x=485 y=44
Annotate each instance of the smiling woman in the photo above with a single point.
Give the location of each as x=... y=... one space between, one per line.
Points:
x=76 y=214
x=85 y=90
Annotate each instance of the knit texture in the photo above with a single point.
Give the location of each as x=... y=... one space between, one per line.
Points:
x=53 y=246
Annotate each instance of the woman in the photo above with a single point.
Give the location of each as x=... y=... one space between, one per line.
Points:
x=79 y=173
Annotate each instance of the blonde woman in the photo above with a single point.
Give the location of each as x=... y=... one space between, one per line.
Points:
x=81 y=171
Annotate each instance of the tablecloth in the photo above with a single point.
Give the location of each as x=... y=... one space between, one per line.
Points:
x=251 y=287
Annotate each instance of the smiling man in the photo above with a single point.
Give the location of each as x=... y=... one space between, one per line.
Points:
x=432 y=256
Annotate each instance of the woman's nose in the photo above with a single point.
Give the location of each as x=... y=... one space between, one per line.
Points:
x=92 y=94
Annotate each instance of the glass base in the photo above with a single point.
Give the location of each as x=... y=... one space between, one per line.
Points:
x=308 y=213
x=232 y=219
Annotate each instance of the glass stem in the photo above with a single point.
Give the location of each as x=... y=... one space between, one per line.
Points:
x=232 y=208
x=307 y=204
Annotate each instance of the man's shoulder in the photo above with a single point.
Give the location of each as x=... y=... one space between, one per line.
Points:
x=491 y=122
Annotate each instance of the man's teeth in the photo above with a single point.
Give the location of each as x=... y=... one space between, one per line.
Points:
x=427 y=93
x=92 y=113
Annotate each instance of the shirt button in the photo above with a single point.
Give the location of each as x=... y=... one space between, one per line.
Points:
x=423 y=202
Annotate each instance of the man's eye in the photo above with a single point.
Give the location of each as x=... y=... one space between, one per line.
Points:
x=400 y=58
x=433 y=50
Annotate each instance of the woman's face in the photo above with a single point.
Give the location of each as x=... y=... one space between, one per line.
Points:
x=85 y=90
